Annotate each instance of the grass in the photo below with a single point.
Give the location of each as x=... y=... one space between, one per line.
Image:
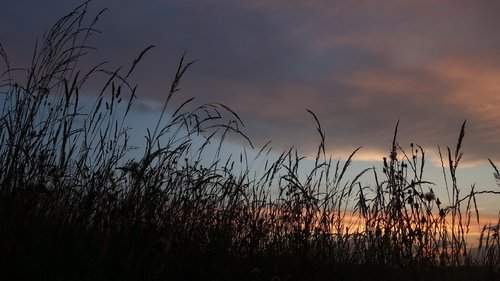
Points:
x=74 y=206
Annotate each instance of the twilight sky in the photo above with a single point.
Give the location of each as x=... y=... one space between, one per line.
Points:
x=359 y=65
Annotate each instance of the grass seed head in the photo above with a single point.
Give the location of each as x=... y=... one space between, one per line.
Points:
x=430 y=196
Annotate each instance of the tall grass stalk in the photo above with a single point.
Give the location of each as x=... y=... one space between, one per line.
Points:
x=74 y=204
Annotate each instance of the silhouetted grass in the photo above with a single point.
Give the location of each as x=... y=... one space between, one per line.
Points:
x=74 y=206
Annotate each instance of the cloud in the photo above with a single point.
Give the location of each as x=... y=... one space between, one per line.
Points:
x=360 y=66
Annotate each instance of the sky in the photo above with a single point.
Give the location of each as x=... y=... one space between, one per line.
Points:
x=360 y=66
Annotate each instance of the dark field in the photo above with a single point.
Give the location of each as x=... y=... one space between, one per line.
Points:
x=74 y=205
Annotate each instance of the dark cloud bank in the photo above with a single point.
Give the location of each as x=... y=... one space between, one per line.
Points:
x=360 y=67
